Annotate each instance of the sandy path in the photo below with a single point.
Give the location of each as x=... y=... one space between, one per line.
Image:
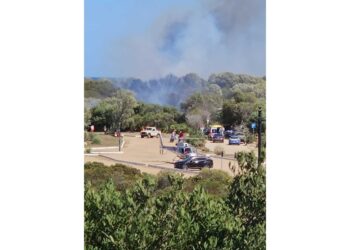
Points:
x=147 y=151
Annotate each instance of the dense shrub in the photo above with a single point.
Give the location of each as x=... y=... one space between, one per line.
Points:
x=86 y=136
x=179 y=127
x=219 y=150
x=196 y=138
x=249 y=138
x=122 y=176
x=96 y=140
x=176 y=219
x=215 y=182
x=247 y=201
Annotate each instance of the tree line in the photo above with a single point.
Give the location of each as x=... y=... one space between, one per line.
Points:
x=226 y=98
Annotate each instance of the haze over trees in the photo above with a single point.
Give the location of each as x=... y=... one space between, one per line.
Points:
x=227 y=98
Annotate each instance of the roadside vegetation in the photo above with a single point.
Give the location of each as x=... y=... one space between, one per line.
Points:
x=125 y=209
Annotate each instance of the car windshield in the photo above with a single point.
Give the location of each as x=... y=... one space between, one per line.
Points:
x=234 y=137
x=187 y=150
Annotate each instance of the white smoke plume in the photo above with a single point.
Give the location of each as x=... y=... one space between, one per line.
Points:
x=225 y=35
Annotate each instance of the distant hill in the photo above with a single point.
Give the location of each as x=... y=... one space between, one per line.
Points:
x=169 y=90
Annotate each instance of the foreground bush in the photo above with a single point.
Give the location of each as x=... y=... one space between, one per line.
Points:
x=177 y=220
x=141 y=217
x=247 y=200
x=123 y=177
x=215 y=182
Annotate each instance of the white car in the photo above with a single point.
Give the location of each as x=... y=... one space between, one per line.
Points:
x=150 y=132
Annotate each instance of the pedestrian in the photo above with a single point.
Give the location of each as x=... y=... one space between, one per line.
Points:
x=173 y=135
x=181 y=136
x=105 y=129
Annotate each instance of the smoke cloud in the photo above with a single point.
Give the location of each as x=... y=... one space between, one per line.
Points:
x=227 y=35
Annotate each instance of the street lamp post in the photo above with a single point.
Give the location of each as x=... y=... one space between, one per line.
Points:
x=259 y=136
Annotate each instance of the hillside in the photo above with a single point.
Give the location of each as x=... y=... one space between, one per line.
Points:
x=171 y=90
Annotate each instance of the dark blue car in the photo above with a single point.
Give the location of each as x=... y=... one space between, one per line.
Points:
x=234 y=140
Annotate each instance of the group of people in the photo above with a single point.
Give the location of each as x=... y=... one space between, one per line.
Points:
x=173 y=136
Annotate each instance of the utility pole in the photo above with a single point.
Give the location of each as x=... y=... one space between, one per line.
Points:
x=259 y=136
x=119 y=135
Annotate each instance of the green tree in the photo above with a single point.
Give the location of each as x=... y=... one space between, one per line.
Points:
x=158 y=213
x=247 y=201
x=205 y=105
x=100 y=88
x=87 y=117
x=234 y=113
x=114 y=111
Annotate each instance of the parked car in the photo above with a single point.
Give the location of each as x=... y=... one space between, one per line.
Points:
x=241 y=136
x=229 y=133
x=206 y=131
x=150 y=132
x=194 y=162
x=218 y=138
x=234 y=140
x=215 y=129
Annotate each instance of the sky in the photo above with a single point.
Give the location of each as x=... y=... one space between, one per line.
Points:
x=151 y=39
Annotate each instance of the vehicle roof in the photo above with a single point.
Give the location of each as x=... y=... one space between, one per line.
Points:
x=183 y=144
x=216 y=126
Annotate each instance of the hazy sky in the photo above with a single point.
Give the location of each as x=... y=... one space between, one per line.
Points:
x=150 y=39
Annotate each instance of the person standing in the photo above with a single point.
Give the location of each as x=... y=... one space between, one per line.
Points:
x=181 y=135
x=173 y=135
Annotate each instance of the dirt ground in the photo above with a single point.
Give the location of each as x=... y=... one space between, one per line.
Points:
x=109 y=162
x=148 y=151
